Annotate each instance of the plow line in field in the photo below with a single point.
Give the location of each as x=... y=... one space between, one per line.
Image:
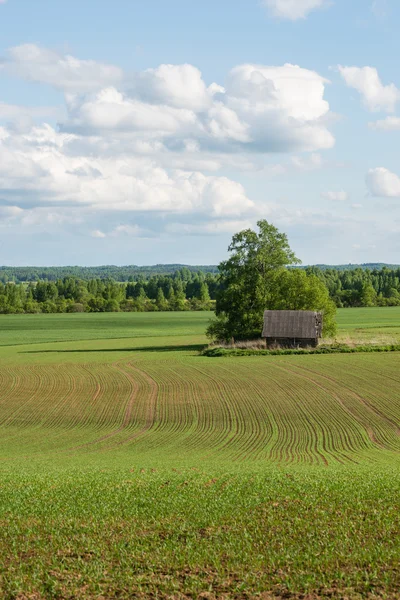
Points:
x=383 y=423
x=283 y=410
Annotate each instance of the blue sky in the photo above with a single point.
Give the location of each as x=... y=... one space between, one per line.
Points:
x=150 y=131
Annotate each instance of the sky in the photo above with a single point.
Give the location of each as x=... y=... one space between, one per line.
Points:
x=150 y=131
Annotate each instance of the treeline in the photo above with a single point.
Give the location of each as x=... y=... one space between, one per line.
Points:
x=350 y=267
x=361 y=287
x=183 y=290
x=132 y=272
x=123 y=274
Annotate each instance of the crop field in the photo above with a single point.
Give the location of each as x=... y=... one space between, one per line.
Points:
x=131 y=466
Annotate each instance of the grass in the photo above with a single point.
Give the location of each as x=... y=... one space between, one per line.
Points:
x=131 y=466
x=218 y=351
x=165 y=534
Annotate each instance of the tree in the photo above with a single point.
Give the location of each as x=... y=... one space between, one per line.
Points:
x=256 y=278
x=368 y=296
x=179 y=299
x=204 y=294
x=162 y=303
x=111 y=305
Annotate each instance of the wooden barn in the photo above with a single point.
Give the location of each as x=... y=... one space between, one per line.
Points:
x=292 y=328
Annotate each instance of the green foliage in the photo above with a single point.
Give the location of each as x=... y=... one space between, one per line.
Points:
x=126 y=273
x=248 y=279
x=185 y=290
x=351 y=286
x=256 y=278
x=219 y=351
x=368 y=296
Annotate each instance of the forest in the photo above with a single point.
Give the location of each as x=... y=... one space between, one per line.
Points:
x=130 y=273
x=123 y=274
x=183 y=289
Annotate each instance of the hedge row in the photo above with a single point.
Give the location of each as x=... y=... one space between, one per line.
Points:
x=336 y=349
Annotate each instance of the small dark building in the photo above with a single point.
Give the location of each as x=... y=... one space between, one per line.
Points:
x=292 y=328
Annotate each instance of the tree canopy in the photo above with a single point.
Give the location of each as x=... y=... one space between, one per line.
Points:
x=256 y=277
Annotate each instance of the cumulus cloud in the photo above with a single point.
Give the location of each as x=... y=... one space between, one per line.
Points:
x=98 y=234
x=294 y=9
x=339 y=196
x=21 y=118
x=39 y=163
x=155 y=141
x=111 y=111
x=295 y=164
x=375 y=95
x=10 y=212
x=388 y=124
x=64 y=72
x=382 y=182
x=260 y=109
x=179 y=86
x=283 y=107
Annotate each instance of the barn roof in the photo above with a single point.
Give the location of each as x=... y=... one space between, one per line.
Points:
x=301 y=324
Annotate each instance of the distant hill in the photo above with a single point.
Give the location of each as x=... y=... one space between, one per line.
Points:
x=132 y=272
x=350 y=266
x=124 y=273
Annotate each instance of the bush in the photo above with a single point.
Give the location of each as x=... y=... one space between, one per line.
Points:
x=75 y=307
x=219 y=351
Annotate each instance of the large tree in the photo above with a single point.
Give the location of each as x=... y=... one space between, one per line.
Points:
x=256 y=278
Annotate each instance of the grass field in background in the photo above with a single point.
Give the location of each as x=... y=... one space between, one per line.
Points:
x=131 y=466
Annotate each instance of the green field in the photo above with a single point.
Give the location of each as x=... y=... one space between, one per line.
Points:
x=131 y=466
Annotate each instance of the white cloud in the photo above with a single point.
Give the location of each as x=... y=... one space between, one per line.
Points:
x=180 y=86
x=273 y=88
x=295 y=164
x=111 y=111
x=388 y=124
x=356 y=206
x=21 y=118
x=154 y=141
x=10 y=212
x=225 y=124
x=212 y=228
x=339 y=196
x=98 y=234
x=39 y=216
x=261 y=109
x=129 y=230
x=367 y=82
x=311 y=163
x=382 y=182
x=294 y=9
x=64 y=72
x=40 y=164
x=226 y=197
